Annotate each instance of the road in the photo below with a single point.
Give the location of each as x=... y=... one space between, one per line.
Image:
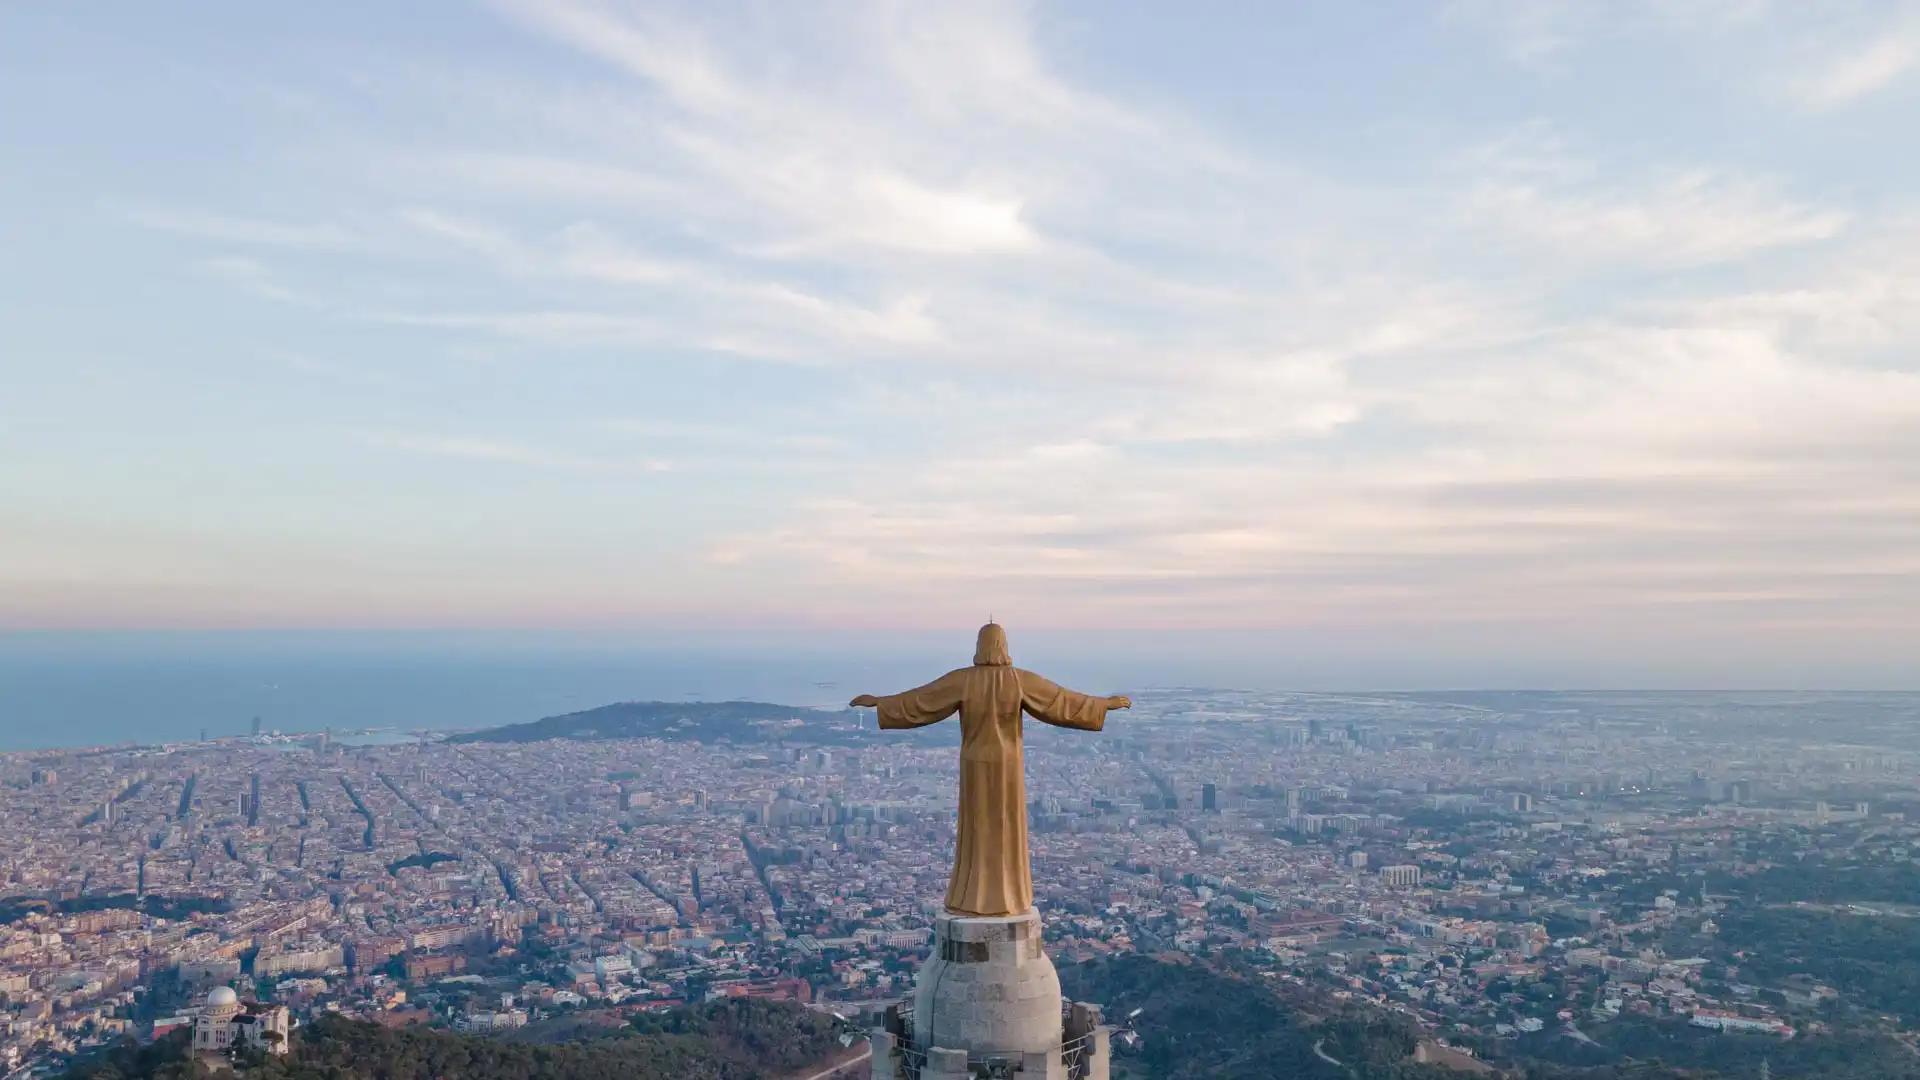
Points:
x=831 y=1070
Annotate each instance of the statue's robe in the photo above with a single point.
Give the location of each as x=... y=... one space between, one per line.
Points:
x=991 y=875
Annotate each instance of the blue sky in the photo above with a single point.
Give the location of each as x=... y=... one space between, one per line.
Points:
x=1576 y=330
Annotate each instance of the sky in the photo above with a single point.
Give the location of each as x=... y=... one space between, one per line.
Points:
x=1577 y=335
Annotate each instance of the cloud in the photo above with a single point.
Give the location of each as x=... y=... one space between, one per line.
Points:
x=548 y=175
x=556 y=327
x=475 y=236
x=811 y=163
x=1862 y=72
x=260 y=232
x=952 y=312
x=1690 y=218
x=731 y=436
x=673 y=61
x=510 y=453
x=901 y=211
x=720 y=308
x=1770 y=39
x=1532 y=189
x=250 y=275
x=1726 y=460
x=1538 y=33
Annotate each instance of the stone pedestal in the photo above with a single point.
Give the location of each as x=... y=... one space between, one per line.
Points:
x=987 y=1003
x=988 y=988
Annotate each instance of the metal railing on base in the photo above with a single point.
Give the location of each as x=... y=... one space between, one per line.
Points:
x=1076 y=1054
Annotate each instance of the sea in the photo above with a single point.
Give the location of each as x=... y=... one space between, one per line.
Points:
x=80 y=689
x=119 y=696
x=77 y=689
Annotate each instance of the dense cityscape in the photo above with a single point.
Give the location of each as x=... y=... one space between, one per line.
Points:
x=1514 y=873
x=479 y=478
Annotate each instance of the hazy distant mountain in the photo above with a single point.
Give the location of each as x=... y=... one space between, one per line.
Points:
x=702 y=721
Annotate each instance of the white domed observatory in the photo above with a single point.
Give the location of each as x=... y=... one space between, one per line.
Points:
x=224 y=1022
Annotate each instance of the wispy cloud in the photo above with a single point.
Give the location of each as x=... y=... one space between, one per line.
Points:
x=949 y=303
x=262 y=232
x=1687 y=218
x=510 y=453
x=729 y=436
x=1862 y=72
x=249 y=274
x=1532 y=188
x=479 y=237
x=816 y=168
x=1537 y=33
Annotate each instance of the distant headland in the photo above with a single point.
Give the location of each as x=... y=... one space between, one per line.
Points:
x=693 y=721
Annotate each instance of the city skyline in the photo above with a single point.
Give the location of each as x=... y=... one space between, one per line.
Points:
x=1719 y=876
x=1458 y=330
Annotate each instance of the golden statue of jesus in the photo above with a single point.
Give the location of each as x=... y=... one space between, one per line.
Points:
x=990 y=871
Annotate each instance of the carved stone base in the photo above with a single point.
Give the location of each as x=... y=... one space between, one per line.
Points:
x=987 y=1003
x=988 y=988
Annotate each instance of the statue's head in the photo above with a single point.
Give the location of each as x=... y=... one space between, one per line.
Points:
x=991 y=648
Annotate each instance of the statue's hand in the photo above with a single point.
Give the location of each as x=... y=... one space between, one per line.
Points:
x=1120 y=701
x=864 y=701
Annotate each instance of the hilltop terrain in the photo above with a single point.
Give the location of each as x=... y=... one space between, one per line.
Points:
x=732 y=1040
x=1196 y=1022
x=699 y=721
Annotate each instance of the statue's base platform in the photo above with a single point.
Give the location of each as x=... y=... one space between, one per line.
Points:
x=988 y=987
x=987 y=1003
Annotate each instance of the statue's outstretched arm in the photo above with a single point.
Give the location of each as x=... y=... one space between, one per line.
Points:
x=1051 y=703
x=918 y=707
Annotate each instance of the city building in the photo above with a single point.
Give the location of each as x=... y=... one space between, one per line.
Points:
x=225 y=1022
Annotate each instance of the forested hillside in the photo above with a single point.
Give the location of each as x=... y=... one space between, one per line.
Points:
x=1202 y=1023
x=733 y=1040
x=1199 y=1024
